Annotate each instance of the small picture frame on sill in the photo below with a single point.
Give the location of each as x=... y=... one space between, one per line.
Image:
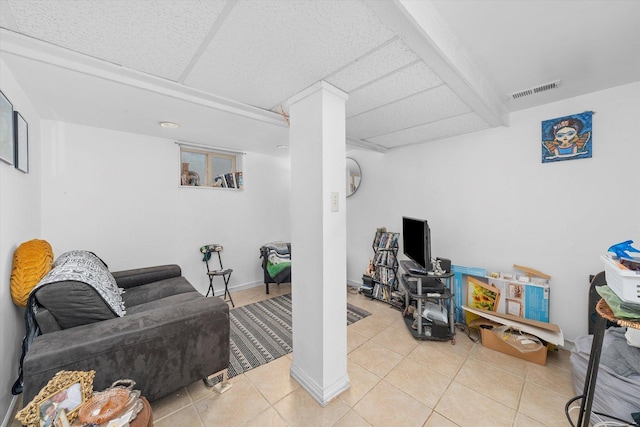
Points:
x=7 y=142
x=21 y=130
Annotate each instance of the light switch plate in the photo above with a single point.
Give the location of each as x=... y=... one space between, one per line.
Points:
x=334 y=201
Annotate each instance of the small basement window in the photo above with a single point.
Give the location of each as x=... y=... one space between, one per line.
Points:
x=204 y=167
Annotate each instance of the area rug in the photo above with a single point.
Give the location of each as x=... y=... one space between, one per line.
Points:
x=262 y=332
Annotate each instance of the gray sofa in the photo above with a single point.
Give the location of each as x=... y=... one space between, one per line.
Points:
x=171 y=335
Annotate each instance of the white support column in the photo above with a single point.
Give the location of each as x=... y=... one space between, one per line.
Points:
x=318 y=240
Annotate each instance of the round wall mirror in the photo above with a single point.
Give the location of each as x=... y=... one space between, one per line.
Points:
x=354 y=176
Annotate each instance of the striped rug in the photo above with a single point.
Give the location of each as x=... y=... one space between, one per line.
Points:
x=261 y=332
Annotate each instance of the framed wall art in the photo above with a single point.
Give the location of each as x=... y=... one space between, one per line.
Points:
x=567 y=138
x=6 y=130
x=21 y=130
x=481 y=295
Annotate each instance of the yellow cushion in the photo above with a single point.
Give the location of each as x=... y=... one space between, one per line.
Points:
x=32 y=260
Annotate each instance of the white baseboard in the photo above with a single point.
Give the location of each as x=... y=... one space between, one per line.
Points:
x=354 y=283
x=243 y=286
x=11 y=411
x=219 y=288
x=322 y=396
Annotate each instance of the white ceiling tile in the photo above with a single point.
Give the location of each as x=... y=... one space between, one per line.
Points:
x=6 y=16
x=153 y=36
x=405 y=82
x=264 y=51
x=374 y=65
x=446 y=128
x=428 y=106
x=517 y=45
x=267 y=51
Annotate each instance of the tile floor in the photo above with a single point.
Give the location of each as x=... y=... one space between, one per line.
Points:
x=395 y=381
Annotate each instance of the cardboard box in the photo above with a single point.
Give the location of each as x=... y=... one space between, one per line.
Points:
x=547 y=332
x=523 y=295
x=460 y=277
x=528 y=300
x=492 y=341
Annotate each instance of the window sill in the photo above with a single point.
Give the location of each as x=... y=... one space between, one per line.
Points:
x=210 y=187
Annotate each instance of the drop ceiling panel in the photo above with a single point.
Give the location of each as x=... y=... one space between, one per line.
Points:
x=465 y=123
x=582 y=43
x=156 y=37
x=6 y=17
x=262 y=52
x=428 y=106
x=267 y=51
x=407 y=81
x=383 y=60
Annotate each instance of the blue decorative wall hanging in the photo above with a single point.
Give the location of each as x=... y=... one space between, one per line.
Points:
x=567 y=138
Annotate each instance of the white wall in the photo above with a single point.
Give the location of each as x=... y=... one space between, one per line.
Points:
x=491 y=203
x=489 y=200
x=19 y=222
x=117 y=194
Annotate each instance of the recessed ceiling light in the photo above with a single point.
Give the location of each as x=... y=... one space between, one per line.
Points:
x=282 y=147
x=170 y=125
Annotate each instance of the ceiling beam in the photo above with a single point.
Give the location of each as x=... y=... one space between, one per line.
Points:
x=208 y=39
x=36 y=50
x=421 y=27
x=365 y=145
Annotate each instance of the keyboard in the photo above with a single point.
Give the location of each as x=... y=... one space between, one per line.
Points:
x=414 y=268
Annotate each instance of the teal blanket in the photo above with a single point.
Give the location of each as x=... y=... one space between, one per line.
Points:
x=274 y=269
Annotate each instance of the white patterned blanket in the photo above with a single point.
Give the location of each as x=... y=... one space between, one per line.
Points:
x=86 y=267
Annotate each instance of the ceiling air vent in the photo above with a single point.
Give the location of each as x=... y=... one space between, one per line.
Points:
x=541 y=88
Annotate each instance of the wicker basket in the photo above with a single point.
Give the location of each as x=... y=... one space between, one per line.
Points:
x=605 y=311
x=104 y=406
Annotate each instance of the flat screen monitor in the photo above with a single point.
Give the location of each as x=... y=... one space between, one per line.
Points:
x=416 y=241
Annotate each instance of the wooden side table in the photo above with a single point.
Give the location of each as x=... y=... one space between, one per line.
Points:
x=605 y=314
x=145 y=417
